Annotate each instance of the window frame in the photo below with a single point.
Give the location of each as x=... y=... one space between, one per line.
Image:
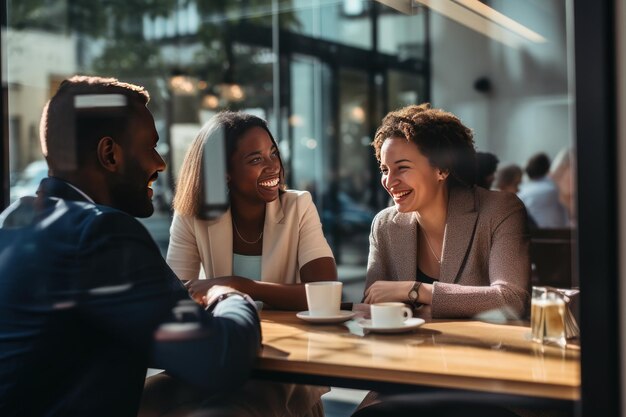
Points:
x=596 y=139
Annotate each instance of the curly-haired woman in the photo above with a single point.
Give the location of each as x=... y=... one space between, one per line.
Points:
x=456 y=248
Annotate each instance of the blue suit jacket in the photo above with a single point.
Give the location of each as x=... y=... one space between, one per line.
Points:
x=83 y=288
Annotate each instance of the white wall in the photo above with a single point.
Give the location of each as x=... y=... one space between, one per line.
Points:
x=527 y=109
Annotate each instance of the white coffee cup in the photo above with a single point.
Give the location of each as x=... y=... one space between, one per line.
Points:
x=389 y=314
x=323 y=298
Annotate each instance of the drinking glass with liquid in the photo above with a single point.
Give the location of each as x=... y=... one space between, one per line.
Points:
x=547 y=317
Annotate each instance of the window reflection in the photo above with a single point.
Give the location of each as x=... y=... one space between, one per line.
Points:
x=322 y=72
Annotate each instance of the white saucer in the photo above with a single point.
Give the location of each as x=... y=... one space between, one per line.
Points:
x=408 y=325
x=341 y=317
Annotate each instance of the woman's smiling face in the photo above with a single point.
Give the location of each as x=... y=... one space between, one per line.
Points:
x=408 y=176
x=255 y=167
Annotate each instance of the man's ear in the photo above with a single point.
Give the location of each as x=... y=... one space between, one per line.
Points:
x=443 y=174
x=109 y=155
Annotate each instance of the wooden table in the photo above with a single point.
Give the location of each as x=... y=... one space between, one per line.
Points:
x=457 y=354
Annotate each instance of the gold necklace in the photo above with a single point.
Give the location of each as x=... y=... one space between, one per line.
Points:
x=430 y=247
x=244 y=240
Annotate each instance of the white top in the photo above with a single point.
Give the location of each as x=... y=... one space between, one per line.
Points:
x=292 y=237
x=247 y=266
x=541 y=198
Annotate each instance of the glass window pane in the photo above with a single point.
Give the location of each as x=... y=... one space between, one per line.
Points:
x=402 y=35
x=323 y=73
x=344 y=22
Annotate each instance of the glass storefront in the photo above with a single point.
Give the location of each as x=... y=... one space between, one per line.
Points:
x=322 y=72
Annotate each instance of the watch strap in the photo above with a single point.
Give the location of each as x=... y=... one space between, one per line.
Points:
x=414 y=293
x=224 y=296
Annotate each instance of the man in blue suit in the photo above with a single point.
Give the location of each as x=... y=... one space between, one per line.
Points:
x=87 y=303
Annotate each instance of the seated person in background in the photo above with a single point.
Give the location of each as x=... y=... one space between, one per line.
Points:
x=486 y=165
x=541 y=195
x=84 y=286
x=268 y=243
x=562 y=175
x=508 y=178
x=457 y=248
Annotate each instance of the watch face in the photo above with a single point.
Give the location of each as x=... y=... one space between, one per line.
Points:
x=413 y=294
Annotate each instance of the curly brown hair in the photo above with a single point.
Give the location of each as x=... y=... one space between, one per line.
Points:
x=439 y=135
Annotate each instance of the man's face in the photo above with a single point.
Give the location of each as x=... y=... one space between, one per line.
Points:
x=130 y=190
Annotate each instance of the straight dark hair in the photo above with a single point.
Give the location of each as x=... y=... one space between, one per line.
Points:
x=232 y=126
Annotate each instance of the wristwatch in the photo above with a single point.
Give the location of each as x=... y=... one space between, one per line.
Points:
x=224 y=296
x=414 y=293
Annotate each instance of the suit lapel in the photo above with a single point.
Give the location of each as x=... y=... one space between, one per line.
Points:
x=220 y=234
x=460 y=226
x=272 y=230
x=403 y=234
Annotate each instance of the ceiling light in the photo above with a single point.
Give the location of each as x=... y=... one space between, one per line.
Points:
x=500 y=19
x=476 y=16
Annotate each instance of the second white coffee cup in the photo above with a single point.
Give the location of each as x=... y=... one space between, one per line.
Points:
x=389 y=314
x=323 y=298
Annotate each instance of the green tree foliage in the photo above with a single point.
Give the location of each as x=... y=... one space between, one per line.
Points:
x=119 y=24
x=114 y=28
x=87 y=17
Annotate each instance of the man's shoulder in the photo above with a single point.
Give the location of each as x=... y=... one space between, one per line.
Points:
x=46 y=212
x=88 y=214
x=59 y=215
x=108 y=220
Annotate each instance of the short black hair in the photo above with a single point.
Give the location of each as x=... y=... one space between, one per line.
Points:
x=486 y=165
x=68 y=133
x=538 y=166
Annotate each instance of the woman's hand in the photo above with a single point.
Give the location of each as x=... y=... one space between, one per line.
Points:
x=198 y=287
x=382 y=291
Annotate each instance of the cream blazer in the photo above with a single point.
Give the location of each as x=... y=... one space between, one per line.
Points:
x=485 y=263
x=292 y=237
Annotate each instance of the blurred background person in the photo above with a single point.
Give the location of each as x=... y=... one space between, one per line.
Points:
x=561 y=172
x=508 y=178
x=486 y=165
x=541 y=195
